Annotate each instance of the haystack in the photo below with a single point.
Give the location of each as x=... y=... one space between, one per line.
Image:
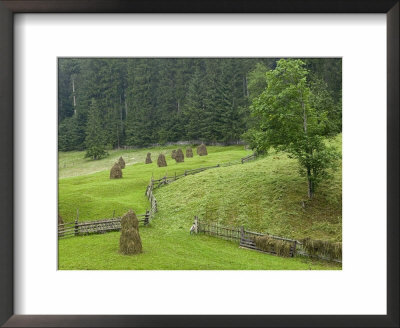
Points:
x=189 y=152
x=121 y=162
x=148 y=159
x=179 y=158
x=272 y=245
x=202 y=150
x=173 y=154
x=116 y=172
x=130 y=242
x=161 y=160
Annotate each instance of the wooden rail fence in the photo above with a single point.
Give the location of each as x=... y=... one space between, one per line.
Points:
x=249 y=158
x=96 y=227
x=152 y=199
x=246 y=238
x=156 y=183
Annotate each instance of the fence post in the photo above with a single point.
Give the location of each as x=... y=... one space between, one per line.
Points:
x=294 y=248
x=241 y=234
x=185 y=172
x=76 y=228
x=146 y=218
x=196 y=222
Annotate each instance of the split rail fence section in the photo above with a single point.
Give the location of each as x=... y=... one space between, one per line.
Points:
x=244 y=237
x=168 y=179
x=96 y=227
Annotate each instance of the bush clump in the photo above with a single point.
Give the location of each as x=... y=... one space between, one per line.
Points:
x=189 y=152
x=272 y=245
x=331 y=250
x=148 y=159
x=179 y=158
x=121 y=162
x=130 y=242
x=96 y=152
x=116 y=172
x=161 y=160
x=202 y=150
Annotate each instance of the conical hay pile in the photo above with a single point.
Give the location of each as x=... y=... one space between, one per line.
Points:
x=161 y=160
x=121 y=162
x=189 y=152
x=130 y=242
x=116 y=172
x=148 y=159
x=179 y=158
x=173 y=154
x=202 y=150
x=268 y=244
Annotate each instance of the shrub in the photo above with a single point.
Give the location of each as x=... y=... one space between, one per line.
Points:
x=96 y=152
x=272 y=245
x=324 y=248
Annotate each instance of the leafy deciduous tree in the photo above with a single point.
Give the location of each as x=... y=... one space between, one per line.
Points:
x=289 y=122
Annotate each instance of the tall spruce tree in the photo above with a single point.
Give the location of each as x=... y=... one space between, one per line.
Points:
x=158 y=100
x=95 y=136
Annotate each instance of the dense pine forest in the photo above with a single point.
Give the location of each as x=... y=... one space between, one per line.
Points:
x=115 y=102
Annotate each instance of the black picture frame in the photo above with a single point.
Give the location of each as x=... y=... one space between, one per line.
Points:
x=7 y=10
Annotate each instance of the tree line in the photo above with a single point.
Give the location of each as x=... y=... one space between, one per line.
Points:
x=109 y=102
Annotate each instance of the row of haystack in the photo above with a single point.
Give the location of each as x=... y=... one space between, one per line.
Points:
x=116 y=170
x=177 y=155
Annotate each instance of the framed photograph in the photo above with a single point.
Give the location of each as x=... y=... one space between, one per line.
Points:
x=213 y=164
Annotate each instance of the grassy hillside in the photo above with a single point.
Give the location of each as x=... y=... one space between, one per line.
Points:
x=266 y=195
x=97 y=196
x=167 y=248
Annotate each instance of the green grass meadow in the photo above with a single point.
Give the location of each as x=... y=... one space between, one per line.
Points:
x=265 y=195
